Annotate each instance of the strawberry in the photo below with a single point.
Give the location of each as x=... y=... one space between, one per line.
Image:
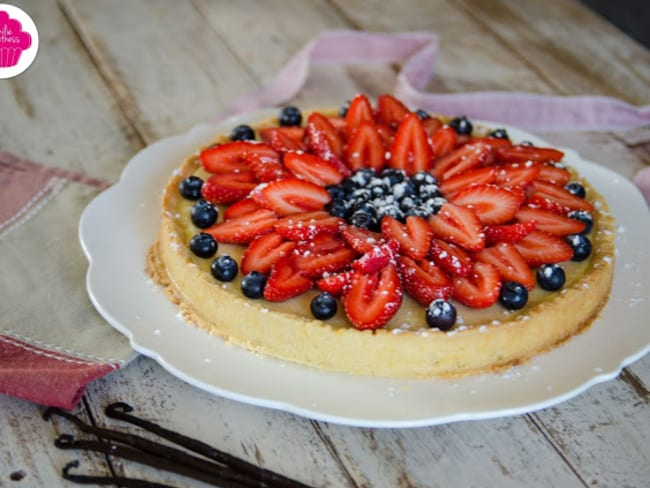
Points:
x=443 y=141
x=386 y=133
x=242 y=207
x=229 y=157
x=540 y=247
x=371 y=300
x=556 y=198
x=320 y=244
x=375 y=259
x=314 y=265
x=469 y=178
x=549 y=221
x=263 y=251
x=458 y=225
x=226 y=188
x=410 y=150
x=312 y=168
x=365 y=148
x=335 y=283
x=522 y=153
x=424 y=281
x=243 y=229
x=285 y=281
x=509 y=262
x=390 y=110
x=361 y=240
x=291 y=195
x=511 y=233
x=413 y=239
x=431 y=126
x=338 y=123
x=284 y=139
x=264 y=168
x=553 y=174
x=359 y=111
x=492 y=204
x=307 y=225
x=459 y=160
x=480 y=288
x=493 y=142
x=323 y=138
x=517 y=175
x=451 y=258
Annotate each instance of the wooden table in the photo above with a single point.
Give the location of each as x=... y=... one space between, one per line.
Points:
x=112 y=77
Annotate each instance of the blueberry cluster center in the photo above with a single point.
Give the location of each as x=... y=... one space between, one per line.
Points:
x=366 y=197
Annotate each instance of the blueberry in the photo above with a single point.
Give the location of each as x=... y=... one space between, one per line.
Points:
x=290 y=116
x=338 y=208
x=190 y=188
x=583 y=216
x=252 y=285
x=551 y=276
x=242 y=133
x=362 y=177
x=513 y=295
x=576 y=189
x=423 y=178
x=462 y=125
x=441 y=314
x=343 y=110
x=394 y=175
x=409 y=202
x=422 y=114
x=204 y=214
x=364 y=219
x=203 y=245
x=581 y=246
x=418 y=211
x=390 y=210
x=323 y=306
x=337 y=192
x=433 y=205
x=499 y=134
x=427 y=192
x=224 y=268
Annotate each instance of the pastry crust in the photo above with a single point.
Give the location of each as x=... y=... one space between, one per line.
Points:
x=397 y=350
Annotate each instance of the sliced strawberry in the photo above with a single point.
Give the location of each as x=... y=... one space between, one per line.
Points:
x=230 y=156
x=361 y=240
x=226 y=188
x=553 y=174
x=365 y=148
x=263 y=251
x=312 y=168
x=493 y=142
x=284 y=139
x=285 y=281
x=375 y=259
x=509 y=262
x=338 y=123
x=511 y=233
x=459 y=160
x=307 y=225
x=386 y=133
x=243 y=229
x=517 y=175
x=313 y=265
x=451 y=258
x=556 y=198
x=390 y=110
x=320 y=244
x=264 y=168
x=540 y=247
x=413 y=239
x=371 y=300
x=424 y=281
x=410 y=150
x=431 y=126
x=492 y=204
x=522 y=153
x=291 y=195
x=480 y=288
x=242 y=207
x=477 y=176
x=458 y=225
x=359 y=111
x=323 y=138
x=443 y=141
x=335 y=283
x=549 y=221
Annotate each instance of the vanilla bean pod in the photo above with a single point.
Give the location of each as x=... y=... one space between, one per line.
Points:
x=120 y=411
x=165 y=452
x=67 y=441
x=85 y=479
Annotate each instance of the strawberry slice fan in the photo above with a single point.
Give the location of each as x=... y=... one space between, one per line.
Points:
x=49 y=372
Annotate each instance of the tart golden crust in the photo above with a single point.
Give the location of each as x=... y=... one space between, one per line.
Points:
x=396 y=351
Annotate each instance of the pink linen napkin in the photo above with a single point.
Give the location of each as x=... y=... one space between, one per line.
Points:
x=51 y=361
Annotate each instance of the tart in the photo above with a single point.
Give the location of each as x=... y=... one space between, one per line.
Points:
x=382 y=241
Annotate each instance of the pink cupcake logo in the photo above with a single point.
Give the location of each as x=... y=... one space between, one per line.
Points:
x=18 y=41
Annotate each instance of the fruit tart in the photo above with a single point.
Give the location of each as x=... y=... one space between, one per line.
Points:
x=377 y=240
